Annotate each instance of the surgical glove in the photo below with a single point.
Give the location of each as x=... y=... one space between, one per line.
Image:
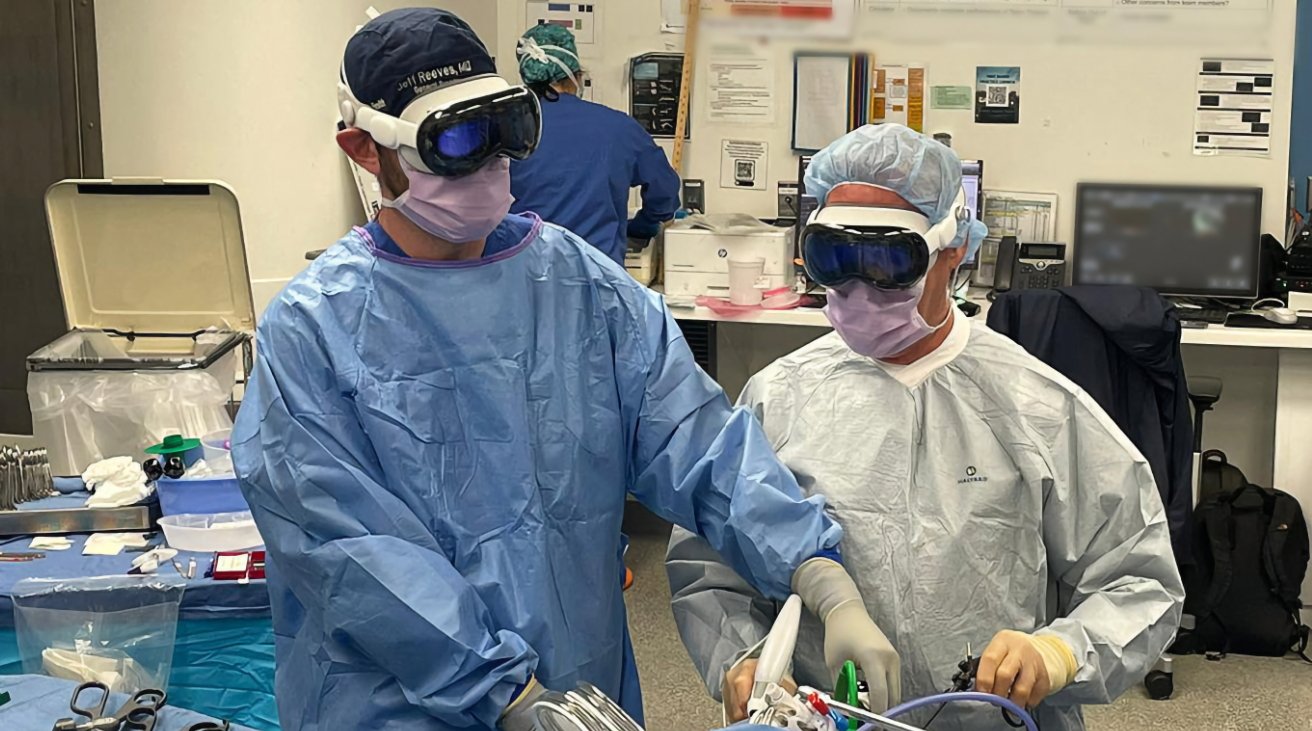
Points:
x=737 y=689
x=850 y=634
x=1025 y=668
x=643 y=229
x=519 y=716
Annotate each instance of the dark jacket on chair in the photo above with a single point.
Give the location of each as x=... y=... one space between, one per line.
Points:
x=1122 y=346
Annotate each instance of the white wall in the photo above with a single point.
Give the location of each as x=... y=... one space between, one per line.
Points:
x=242 y=91
x=1089 y=110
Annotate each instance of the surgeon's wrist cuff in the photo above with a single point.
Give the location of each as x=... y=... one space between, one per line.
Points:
x=1058 y=658
x=830 y=553
x=824 y=585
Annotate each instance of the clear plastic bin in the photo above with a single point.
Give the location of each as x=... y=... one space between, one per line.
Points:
x=217 y=444
x=210 y=533
x=97 y=394
x=118 y=630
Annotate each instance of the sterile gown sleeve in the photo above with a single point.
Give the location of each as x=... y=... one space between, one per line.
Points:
x=701 y=464
x=719 y=614
x=659 y=182
x=342 y=538
x=1109 y=554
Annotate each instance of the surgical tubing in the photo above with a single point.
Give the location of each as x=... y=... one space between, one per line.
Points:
x=971 y=696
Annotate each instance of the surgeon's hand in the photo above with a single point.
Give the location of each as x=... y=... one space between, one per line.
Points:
x=850 y=633
x=737 y=689
x=1025 y=668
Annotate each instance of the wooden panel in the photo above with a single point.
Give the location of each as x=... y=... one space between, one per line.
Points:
x=43 y=44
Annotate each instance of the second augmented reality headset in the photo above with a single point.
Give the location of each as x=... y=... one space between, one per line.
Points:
x=454 y=130
x=871 y=233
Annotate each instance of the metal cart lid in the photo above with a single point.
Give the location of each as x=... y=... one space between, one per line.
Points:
x=150 y=255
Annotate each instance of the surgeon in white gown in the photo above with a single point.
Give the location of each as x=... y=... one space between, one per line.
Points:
x=986 y=500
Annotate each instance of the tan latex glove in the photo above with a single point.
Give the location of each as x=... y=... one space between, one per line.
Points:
x=737 y=689
x=1025 y=668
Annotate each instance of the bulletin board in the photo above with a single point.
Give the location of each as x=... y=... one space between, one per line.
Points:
x=1091 y=110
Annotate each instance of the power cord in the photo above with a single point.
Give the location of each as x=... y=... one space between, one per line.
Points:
x=962 y=681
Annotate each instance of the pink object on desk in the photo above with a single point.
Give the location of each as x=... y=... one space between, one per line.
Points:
x=776 y=299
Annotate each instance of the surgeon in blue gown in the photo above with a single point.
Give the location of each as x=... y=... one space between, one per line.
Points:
x=590 y=156
x=447 y=412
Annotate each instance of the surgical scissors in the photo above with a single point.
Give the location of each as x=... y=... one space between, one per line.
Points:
x=137 y=714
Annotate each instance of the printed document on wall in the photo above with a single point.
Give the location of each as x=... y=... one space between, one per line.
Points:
x=579 y=18
x=1232 y=113
x=743 y=165
x=898 y=95
x=823 y=104
x=997 y=94
x=741 y=81
x=1030 y=217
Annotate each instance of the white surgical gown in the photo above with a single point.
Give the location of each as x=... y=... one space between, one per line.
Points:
x=982 y=491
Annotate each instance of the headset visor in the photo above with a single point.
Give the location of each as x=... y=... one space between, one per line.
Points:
x=886 y=257
x=463 y=137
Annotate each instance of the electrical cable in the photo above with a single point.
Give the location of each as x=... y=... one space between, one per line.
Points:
x=972 y=697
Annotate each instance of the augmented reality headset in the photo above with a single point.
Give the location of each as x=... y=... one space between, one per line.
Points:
x=890 y=248
x=454 y=130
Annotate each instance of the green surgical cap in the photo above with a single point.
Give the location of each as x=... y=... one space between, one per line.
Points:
x=545 y=51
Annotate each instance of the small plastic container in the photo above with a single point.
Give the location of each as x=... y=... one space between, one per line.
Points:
x=200 y=496
x=217 y=445
x=210 y=533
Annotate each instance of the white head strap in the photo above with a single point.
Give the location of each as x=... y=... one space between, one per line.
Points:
x=528 y=48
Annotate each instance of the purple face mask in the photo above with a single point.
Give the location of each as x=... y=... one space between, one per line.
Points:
x=879 y=323
x=459 y=210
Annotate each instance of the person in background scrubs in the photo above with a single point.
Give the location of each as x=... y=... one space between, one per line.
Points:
x=986 y=500
x=447 y=411
x=590 y=155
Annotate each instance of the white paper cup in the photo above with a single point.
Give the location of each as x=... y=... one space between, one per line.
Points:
x=744 y=278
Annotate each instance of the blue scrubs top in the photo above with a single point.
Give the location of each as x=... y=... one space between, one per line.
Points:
x=579 y=177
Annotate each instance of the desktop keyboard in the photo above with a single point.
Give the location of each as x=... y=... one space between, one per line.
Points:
x=1211 y=315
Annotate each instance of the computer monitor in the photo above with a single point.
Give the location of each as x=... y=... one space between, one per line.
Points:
x=972 y=180
x=1179 y=240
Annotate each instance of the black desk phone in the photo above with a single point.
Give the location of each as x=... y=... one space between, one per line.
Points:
x=1029 y=266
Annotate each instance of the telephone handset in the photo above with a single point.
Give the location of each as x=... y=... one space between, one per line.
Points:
x=1006 y=266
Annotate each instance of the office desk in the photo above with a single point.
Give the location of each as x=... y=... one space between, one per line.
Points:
x=1291 y=453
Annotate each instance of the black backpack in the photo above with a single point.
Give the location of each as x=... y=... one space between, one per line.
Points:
x=1251 y=554
x=1218 y=476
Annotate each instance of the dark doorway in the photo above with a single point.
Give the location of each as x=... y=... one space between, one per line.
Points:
x=49 y=130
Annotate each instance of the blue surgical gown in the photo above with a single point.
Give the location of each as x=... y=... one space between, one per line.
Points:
x=437 y=456
x=580 y=175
